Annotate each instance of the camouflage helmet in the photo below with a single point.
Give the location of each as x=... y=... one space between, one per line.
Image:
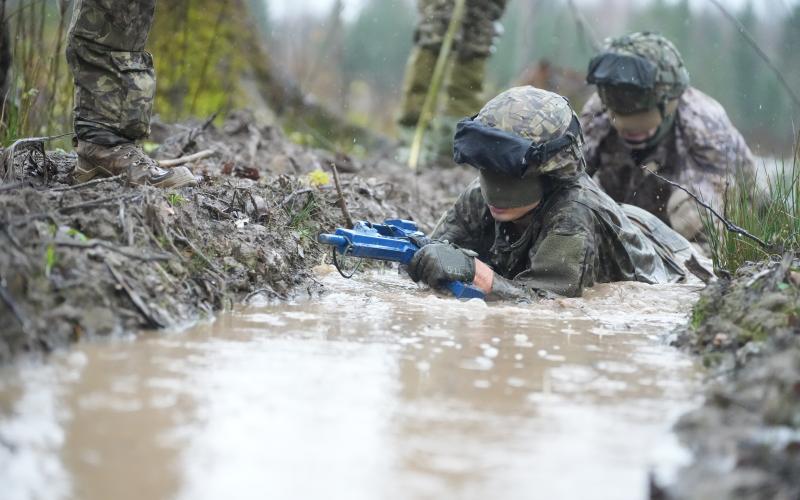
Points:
x=518 y=136
x=638 y=72
x=540 y=116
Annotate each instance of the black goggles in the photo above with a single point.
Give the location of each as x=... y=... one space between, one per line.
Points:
x=610 y=69
x=489 y=148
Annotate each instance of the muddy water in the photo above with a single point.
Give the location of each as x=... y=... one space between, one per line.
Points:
x=376 y=389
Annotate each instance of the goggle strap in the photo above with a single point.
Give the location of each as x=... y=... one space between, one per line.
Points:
x=539 y=154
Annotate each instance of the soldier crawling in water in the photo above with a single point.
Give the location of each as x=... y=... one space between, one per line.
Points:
x=534 y=221
x=646 y=114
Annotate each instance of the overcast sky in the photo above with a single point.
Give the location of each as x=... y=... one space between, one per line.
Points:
x=282 y=8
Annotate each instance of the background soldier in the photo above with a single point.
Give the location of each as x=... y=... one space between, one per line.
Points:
x=467 y=70
x=645 y=113
x=114 y=90
x=534 y=221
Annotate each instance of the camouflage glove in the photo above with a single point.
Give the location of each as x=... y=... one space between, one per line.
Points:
x=439 y=263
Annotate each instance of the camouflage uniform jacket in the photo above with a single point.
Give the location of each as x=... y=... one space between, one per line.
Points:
x=702 y=152
x=576 y=237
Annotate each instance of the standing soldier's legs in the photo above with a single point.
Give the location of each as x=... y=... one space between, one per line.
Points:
x=434 y=17
x=114 y=77
x=419 y=72
x=468 y=71
x=115 y=85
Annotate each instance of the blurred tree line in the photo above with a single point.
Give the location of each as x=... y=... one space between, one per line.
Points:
x=720 y=61
x=216 y=55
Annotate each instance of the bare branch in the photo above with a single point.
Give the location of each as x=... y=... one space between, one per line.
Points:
x=111 y=247
x=90 y=183
x=342 y=202
x=187 y=159
x=730 y=226
x=151 y=320
x=585 y=31
x=753 y=43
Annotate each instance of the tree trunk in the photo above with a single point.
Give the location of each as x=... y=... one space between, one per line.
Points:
x=5 y=51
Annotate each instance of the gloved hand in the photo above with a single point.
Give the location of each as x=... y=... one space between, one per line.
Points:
x=439 y=263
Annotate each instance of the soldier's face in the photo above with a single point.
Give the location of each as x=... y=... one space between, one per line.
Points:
x=511 y=214
x=636 y=128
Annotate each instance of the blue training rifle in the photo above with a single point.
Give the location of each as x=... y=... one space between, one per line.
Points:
x=396 y=240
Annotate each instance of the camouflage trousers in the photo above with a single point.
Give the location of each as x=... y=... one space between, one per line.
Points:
x=472 y=47
x=115 y=81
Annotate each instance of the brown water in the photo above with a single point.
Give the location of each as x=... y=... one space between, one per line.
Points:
x=376 y=390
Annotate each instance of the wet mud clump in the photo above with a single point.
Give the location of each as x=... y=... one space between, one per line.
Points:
x=745 y=438
x=106 y=258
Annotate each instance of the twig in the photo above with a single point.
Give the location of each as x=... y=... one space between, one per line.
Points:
x=197 y=251
x=90 y=183
x=13 y=185
x=14 y=241
x=88 y=204
x=193 y=134
x=137 y=301
x=730 y=226
x=753 y=43
x=187 y=159
x=342 y=201
x=269 y=291
x=99 y=202
x=293 y=194
x=585 y=31
x=695 y=267
x=12 y=306
x=212 y=208
x=112 y=248
x=36 y=143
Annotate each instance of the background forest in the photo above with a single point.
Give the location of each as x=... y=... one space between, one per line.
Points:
x=217 y=55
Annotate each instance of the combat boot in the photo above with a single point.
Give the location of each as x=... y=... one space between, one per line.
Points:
x=95 y=160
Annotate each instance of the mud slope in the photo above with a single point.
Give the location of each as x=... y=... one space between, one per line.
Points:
x=746 y=437
x=107 y=258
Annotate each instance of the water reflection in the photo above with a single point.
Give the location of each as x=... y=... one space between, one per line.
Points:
x=376 y=389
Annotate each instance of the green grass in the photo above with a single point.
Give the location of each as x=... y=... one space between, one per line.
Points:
x=772 y=215
x=302 y=220
x=50 y=259
x=175 y=199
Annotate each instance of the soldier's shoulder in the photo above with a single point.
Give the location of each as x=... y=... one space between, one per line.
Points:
x=596 y=126
x=593 y=105
x=594 y=118
x=707 y=129
x=700 y=114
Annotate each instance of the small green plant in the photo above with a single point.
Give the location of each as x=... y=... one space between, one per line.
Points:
x=50 y=259
x=301 y=220
x=75 y=234
x=175 y=199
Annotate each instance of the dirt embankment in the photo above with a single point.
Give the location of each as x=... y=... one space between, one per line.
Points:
x=107 y=258
x=746 y=436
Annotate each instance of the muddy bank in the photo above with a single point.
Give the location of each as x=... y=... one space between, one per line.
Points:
x=746 y=437
x=109 y=259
